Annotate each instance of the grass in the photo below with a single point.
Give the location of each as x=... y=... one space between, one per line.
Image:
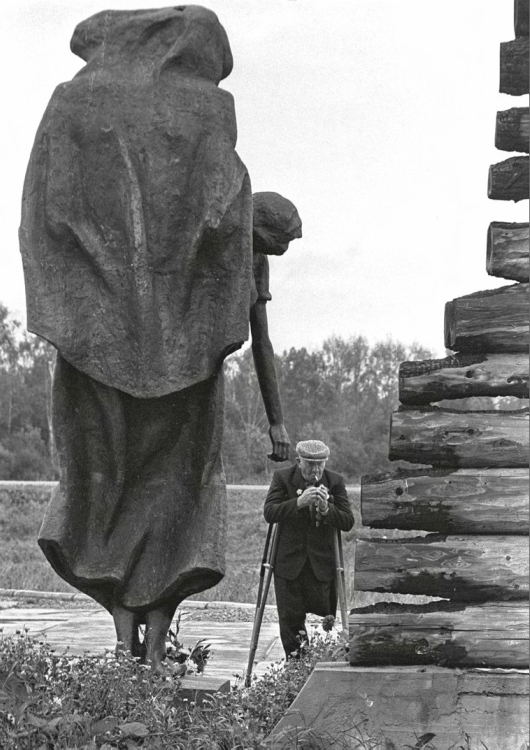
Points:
x=89 y=703
x=23 y=566
x=59 y=702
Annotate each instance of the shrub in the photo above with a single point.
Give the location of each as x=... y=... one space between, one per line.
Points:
x=24 y=456
x=60 y=701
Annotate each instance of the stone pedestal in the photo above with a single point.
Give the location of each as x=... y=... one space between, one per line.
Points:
x=197 y=689
x=344 y=705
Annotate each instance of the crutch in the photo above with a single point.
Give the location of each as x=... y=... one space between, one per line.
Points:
x=265 y=575
x=341 y=582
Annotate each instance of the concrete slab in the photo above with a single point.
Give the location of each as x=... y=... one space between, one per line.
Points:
x=197 y=689
x=31 y=614
x=397 y=706
x=41 y=620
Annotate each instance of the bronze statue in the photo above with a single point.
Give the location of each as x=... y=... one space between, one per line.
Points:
x=136 y=239
x=276 y=223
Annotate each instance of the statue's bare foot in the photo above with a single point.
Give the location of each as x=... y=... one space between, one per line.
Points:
x=168 y=668
x=158 y=622
x=158 y=667
x=127 y=631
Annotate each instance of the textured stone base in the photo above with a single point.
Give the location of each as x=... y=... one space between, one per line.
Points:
x=343 y=705
x=197 y=689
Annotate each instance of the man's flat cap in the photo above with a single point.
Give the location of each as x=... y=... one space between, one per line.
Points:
x=312 y=450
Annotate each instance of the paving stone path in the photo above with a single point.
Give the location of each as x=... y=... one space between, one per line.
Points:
x=91 y=630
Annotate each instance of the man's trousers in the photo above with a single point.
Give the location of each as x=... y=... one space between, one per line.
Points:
x=297 y=597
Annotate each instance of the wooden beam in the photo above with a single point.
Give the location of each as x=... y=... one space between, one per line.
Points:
x=446 y=634
x=520 y=20
x=461 y=568
x=463 y=376
x=514 y=67
x=467 y=501
x=508 y=180
x=460 y=439
x=507 y=254
x=512 y=131
x=495 y=320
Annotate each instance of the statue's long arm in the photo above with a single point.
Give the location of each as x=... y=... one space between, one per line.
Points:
x=263 y=354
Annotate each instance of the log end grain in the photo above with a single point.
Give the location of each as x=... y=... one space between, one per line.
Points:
x=514 y=77
x=508 y=180
x=507 y=251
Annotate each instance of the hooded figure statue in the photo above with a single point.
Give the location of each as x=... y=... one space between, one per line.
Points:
x=136 y=239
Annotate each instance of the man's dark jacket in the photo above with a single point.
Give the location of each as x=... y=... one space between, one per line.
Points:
x=300 y=537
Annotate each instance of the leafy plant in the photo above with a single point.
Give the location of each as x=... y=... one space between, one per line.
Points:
x=52 y=701
x=189 y=659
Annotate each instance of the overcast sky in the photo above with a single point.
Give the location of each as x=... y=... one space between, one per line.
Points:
x=375 y=117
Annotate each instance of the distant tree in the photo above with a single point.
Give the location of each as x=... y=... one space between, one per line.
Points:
x=26 y=441
x=246 y=441
x=343 y=393
x=9 y=355
x=307 y=392
x=38 y=359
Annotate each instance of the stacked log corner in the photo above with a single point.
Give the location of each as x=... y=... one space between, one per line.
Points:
x=514 y=67
x=468 y=511
x=511 y=131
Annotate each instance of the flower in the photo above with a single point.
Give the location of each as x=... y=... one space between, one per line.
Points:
x=299 y=492
x=327 y=623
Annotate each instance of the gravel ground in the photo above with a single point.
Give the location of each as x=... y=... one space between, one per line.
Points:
x=45 y=603
x=228 y=613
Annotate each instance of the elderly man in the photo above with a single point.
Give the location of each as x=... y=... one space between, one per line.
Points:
x=309 y=503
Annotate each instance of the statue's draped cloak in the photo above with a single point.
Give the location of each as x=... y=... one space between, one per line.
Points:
x=137 y=211
x=140 y=513
x=136 y=244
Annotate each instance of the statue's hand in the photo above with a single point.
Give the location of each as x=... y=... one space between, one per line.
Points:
x=280 y=443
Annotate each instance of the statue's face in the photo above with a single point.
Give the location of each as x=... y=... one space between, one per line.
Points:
x=311 y=470
x=266 y=243
x=278 y=248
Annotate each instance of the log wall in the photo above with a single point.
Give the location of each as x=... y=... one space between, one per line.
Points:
x=472 y=487
x=460 y=568
x=466 y=501
x=512 y=131
x=514 y=67
x=508 y=179
x=460 y=439
x=463 y=376
x=495 y=320
x=446 y=634
x=507 y=251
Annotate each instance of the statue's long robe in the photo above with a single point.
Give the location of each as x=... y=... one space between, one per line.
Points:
x=136 y=244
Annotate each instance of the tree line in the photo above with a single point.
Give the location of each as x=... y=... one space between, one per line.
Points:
x=26 y=368
x=343 y=393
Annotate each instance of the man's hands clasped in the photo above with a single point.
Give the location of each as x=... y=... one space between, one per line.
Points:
x=317 y=496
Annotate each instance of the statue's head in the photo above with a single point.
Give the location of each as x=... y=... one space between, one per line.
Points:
x=185 y=37
x=275 y=223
